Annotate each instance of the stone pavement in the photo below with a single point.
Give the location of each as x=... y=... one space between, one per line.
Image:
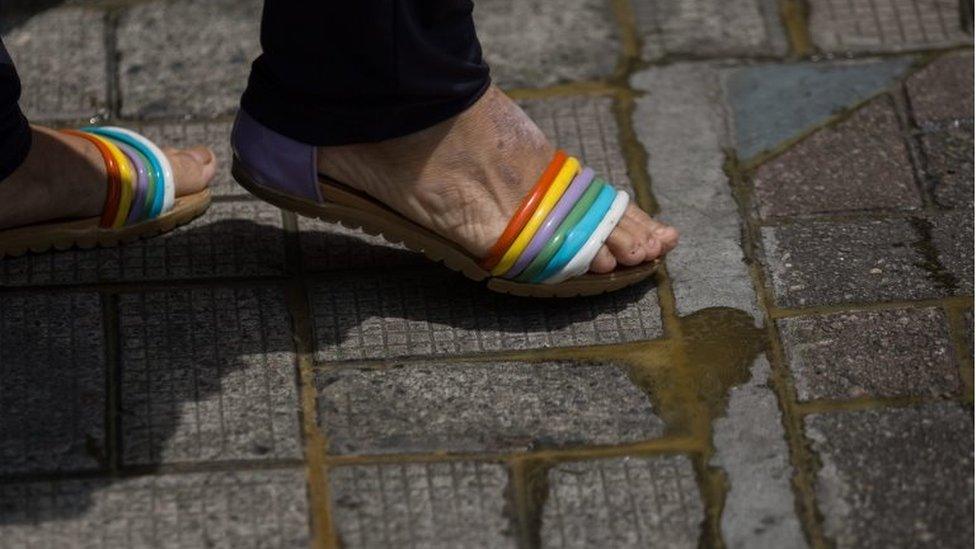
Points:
x=800 y=374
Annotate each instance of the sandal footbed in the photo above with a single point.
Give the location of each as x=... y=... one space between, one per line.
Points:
x=85 y=233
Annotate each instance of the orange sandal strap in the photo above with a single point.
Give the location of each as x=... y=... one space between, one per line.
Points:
x=524 y=212
x=112 y=197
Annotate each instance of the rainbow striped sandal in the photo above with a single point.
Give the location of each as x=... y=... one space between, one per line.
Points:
x=140 y=202
x=545 y=251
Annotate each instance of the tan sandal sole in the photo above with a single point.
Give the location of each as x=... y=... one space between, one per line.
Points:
x=356 y=210
x=85 y=233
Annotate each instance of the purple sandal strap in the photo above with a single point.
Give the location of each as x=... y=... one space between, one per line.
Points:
x=274 y=160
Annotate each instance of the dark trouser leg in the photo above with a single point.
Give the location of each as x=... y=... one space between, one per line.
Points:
x=336 y=72
x=15 y=135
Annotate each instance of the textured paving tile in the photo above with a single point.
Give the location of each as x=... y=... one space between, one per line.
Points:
x=885 y=25
x=231 y=239
x=949 y=166
x=207 y=375
x=584 y=127
x=215 y=135
x=458 y=504
x=897 y=477
x=245 y=509
x=818 y=263
x=709 y=29
x=329 y=246
x=186 y=58
x=770 y=104
x=750 y=446
x=52 y=383
x=433 y=312
x=485 y=407
x=623 y=502
x=681 y=123
x=60 y=57
x=943 y=90
x=861 y=163
x=875 y=354
x=536 y=43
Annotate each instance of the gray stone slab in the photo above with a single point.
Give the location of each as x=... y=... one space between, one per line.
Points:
x=231 y=239
x=242 y=509
x=819 y=262
x=704 y=28
x=586 y=128
x=330 y=246
x=885 y=25
x=623 y=502
x=437 y=505
x=771 y=104
x=861 y=163
x=896 y=477
x=52 y=375
x=888 y=353
x=61 y=59
x=186 y=58
x=215 y=135
x=536 y=43
x=433 y=312
x=943 y=90
x=481 y=407
x=750 y=446
x=681 y=123
x=949 y=167
x=207 y=374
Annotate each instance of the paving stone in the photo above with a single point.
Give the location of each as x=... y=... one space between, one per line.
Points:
x=231 y=239
x=482 y=407
x=61 y=59
x=885 y=25
x=186 y=58
x=623 y=502
x=709 y=29
x=750 y=446
x=896 y=477
x=586 y=128
x=949 y=163
x=433 y=312
x=329 y=246
x=243 y=509
x=887 y=353
x=449 y=504
x=207 y=374
x=52 y=375
x=951 y=264
x=771 y=104
x=943 y=90
x=537 y=43
x=862 y=163
x=820 y=263
x=681 y=123
x=215 y=135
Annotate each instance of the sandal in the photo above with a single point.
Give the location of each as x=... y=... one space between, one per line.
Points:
x=140 y=201
x=545 y=251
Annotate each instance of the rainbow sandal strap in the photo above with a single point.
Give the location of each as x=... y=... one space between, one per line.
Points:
x=563 y=222
x=140 y=178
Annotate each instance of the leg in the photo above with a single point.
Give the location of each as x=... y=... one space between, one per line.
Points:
x=15 y=135
x=333 y=73
x=393 y=93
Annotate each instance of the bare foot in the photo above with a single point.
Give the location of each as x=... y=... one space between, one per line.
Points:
x=463 y=179
x=64 y=178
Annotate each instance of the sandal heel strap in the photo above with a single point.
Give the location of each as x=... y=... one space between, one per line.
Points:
x=274 y=160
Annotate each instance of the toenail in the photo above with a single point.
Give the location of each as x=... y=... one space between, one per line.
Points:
x=201 y=155
x=661 y=231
